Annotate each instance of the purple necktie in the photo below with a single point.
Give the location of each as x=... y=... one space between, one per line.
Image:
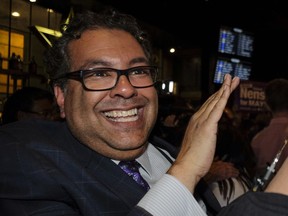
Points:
x=132 y=169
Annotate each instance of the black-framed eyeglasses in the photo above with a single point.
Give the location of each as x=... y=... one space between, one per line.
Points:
x=101 y=79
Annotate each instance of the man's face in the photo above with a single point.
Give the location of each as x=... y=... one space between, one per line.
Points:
x=116 y=122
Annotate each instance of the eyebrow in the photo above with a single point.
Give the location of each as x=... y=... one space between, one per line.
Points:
x=102 y=62
x=92 y=63
x=139 y=60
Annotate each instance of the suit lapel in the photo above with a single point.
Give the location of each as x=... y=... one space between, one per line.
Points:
x=109 y=174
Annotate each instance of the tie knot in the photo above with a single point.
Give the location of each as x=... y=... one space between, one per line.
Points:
x=132 y=165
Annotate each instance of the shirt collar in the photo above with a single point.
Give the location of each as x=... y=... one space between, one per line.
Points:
x=143 y=160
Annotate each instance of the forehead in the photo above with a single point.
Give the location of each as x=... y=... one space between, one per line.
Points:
x=109 y=45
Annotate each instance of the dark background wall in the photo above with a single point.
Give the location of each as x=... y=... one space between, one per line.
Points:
x=192 y=27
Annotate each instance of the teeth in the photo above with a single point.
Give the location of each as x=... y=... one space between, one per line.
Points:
x=122 y=116
x=130 y=119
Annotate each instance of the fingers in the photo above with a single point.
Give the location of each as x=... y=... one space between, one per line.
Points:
x=198 y=146
x=217 y=101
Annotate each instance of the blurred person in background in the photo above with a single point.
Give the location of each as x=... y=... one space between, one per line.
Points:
x=232 y=150
x=268 y=142
x=29 y=103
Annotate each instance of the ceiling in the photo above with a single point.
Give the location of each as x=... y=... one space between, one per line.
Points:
x=188 y=21
x=185 y=22
x=195 y=24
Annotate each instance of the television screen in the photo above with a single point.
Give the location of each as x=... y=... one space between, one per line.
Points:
x=235 y=41
x=233 y=66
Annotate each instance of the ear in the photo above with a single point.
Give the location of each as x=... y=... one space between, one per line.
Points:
x=60 y=99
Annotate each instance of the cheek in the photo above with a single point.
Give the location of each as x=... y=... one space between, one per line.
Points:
x=153 y=100
x=74 y=99
x=79 y=102
x=75 y=103
x=155 y=112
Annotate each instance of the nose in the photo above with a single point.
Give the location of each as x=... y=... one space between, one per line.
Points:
x=123 y=88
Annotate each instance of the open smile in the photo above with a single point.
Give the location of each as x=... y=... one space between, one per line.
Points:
x=123 y=115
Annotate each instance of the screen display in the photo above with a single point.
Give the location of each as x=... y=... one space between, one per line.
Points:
x=235 y=41
x=233 y=66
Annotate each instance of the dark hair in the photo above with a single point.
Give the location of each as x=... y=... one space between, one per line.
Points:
x=276 y=93
x=57 y=58
x=233 y=147
x=23 y=100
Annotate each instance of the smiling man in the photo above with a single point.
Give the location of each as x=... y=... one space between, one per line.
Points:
x=103 y=81
x=122 y=109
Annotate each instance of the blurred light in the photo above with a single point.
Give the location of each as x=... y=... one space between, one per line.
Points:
x=171 y=86
x=50 y=10
x=168 y=87
x=16 y=14
x=32 y=0
x=172 y=50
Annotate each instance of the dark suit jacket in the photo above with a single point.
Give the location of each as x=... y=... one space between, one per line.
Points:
x=45 y=171
x=257 y=204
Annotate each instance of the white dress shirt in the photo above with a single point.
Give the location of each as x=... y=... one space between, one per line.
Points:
x=167 y=196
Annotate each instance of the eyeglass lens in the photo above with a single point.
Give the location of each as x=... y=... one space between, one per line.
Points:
x=103 y=78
